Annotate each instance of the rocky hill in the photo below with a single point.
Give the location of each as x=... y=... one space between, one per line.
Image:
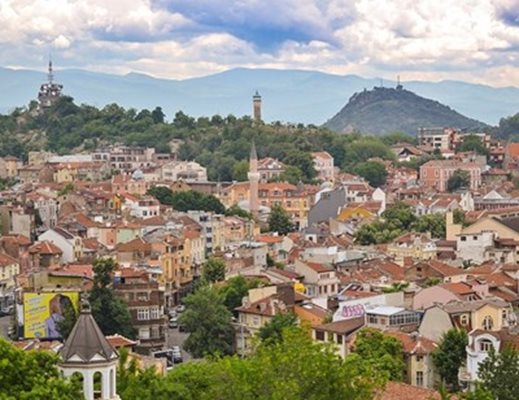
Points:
x=385 y=110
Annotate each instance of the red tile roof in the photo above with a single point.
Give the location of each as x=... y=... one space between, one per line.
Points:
x=413 y=344
x=403 y=391
x=45 y=247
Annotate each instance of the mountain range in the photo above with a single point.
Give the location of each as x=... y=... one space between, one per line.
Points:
x=288 y=95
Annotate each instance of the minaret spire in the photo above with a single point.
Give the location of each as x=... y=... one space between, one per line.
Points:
x=50 y=73
x=253 y=176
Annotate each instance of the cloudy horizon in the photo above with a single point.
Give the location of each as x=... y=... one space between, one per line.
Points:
x=470 y=40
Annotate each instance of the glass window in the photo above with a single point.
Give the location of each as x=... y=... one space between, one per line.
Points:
x=488 y=323
x=319 y=335
x=143 y=314
x=485 y=345
x=419 y=378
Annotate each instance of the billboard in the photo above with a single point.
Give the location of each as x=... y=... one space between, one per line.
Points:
x=42 y=312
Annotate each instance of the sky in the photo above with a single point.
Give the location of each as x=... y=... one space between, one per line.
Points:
x=471 y=40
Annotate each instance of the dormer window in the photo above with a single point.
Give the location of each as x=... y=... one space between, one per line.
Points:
x=464 y=320
x=488 y=323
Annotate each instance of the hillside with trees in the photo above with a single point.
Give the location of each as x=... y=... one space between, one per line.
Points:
x=385 y=110
x=222 y=144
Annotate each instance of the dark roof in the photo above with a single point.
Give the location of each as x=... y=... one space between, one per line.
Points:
x=346 y=326
x=512 y=223
x=86 y=343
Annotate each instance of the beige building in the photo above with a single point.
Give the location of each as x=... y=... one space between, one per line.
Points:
x=487 y=315
x=340 y=334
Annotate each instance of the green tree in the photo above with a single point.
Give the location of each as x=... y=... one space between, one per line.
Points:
x=473 y=143
x=33 y=375
x=235 y=289
x=240 y=170
x=157 y=115
x=499 y=373
x=304 y=162
x=433 y=223
x=236 y=210
x=272 y=331
x=213 y=270
x=187 y=200
x=459 y=179
x=110 y=312
x=68 y=188
x=374 y=172
x=382 y=353
x=450 y=355
x=279 y=220
x=209 y=322
x=291 y=174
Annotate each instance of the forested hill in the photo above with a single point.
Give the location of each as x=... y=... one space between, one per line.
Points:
x=384 y=110
x=222 y=144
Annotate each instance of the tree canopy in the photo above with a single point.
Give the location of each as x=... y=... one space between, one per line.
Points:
x=397 y=220
x=294 y=368
x=499 y=373
x=213 y=270
x=280 y=221
x=110 y=312
x=209 y=322
x=459 y=179
x=187 y=200
x=382 y=353
x=33 y=375
x=374 y=172
x=450 y=355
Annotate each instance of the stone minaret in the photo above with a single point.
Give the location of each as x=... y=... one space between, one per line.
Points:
x=256 y=106
x=253 y=176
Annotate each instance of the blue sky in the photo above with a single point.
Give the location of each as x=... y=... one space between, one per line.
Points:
x=473 y=40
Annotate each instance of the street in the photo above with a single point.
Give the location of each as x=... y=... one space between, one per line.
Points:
x=5 y=321
x=176 y=338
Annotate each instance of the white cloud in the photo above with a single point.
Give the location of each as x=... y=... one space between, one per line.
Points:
x=476 y=40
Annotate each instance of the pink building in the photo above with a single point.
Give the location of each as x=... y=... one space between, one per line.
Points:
x=323 y=164
x=435 y=173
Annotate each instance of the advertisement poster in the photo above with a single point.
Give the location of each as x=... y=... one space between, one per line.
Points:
x=43 y=311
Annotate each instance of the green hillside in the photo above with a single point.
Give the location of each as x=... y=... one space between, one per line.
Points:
x=385 y=110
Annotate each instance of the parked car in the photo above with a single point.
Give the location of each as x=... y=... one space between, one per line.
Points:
x=173 y=323
x=172 y=313
x=181 y=328
x=181 y=308
x=176 y=349
x=8 y=310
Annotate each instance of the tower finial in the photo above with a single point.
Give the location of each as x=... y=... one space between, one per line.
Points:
x=50 y=74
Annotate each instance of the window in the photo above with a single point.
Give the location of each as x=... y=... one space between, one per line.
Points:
x=339 y=339
x=255 y=321
x=464 y=320
x=144 y=333
x=319 y=335
x=474 y=238
x=485 y=345
x=463 y=238
x=143 y=314
x=155 y=313
x=419 y=358
x=372 y=319
x=504 y=315
x=488 y=323
x=419 y=378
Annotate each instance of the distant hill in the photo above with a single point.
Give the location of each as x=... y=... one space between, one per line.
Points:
x=386 y=110
x=288 y=95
